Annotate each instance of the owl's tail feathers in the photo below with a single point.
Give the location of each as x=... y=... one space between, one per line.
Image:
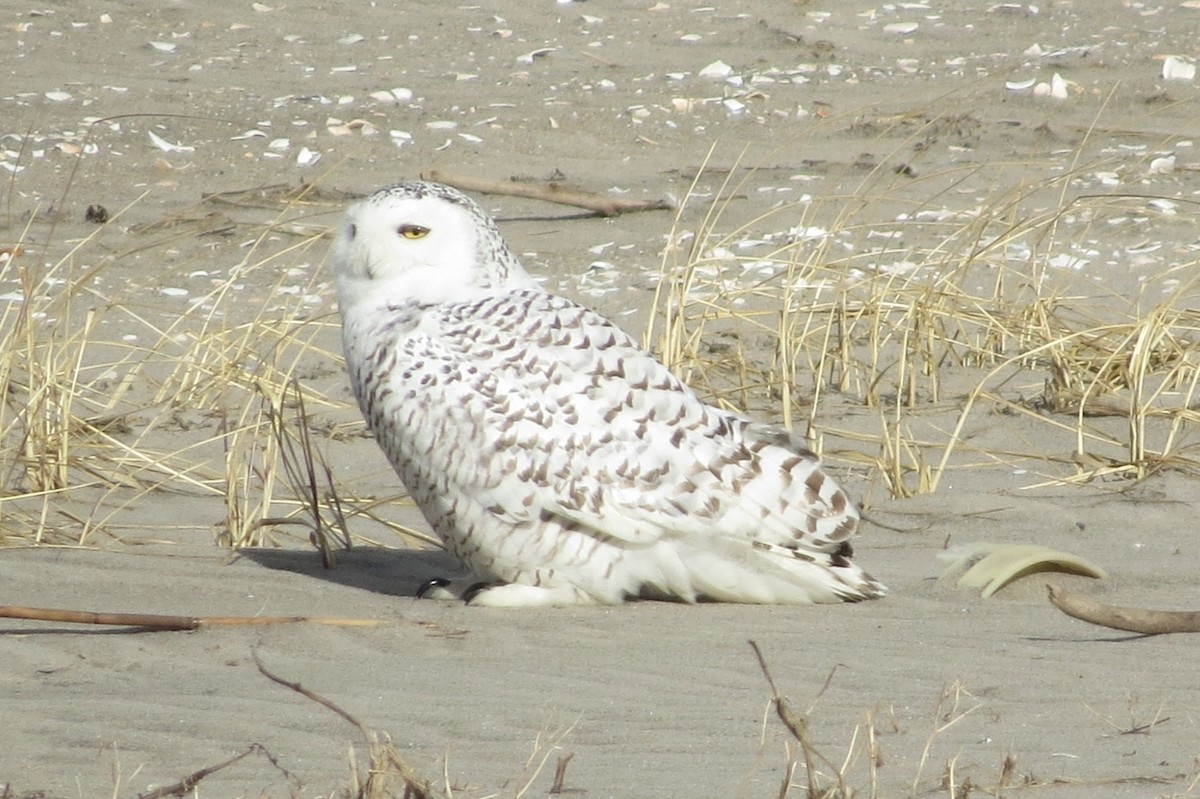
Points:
x=771 y=574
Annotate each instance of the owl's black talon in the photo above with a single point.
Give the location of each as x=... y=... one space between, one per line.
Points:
x=475 y=589
x=436 y=582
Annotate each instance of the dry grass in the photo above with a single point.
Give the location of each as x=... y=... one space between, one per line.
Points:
x=958 y=314
x=810 y=773
x=114 y=393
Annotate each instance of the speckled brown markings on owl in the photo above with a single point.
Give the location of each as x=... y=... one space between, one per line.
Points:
x=557 y=460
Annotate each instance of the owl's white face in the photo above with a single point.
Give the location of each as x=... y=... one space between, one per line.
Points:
x=419 y=242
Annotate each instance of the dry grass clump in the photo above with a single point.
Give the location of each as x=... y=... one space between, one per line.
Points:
x=116 y=389
x=826 y=778
x=818 y=310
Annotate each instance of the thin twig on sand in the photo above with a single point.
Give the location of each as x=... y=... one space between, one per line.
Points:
x=1134 y=620
x=155 y=621
x=797 y=725
x=549 y=192
x=186 y=786
x=385 y=760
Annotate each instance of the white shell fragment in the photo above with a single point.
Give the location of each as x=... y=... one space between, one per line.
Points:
x=1020 y=85
x=167 y=147
x=717 y=70
x=533 y=55
x=360 y=126
x=1162 y=166
x=396 y=95
x=1056 y=88
x=990 y=567
x=1177 y=69
x=901 y=28
x=307 y=157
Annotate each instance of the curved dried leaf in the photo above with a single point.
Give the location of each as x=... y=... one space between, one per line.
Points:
x=990 y=567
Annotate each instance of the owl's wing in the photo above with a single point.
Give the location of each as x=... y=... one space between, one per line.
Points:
x=554 y=410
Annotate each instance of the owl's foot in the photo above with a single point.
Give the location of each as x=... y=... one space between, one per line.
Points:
x=443 y=589
x=504 y=595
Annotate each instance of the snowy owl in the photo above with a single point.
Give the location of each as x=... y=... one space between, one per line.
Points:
x=559 y=461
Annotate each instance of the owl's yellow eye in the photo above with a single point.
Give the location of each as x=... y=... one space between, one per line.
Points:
x=413 y=231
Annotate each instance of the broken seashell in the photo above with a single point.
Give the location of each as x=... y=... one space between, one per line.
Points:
x=1162 y=166
x=717 y=70
x=1177 y=69
x=1056 y=88
x=396 y=95
x=533 y=55
x=990 y=567
x=167 y=147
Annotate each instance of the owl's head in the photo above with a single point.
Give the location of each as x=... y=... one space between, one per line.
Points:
x=424 y=242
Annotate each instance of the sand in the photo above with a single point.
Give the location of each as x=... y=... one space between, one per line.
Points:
x=652 y=700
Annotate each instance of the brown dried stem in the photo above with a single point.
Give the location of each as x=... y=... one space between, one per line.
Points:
x=797 y=725
x=187 y=785
x=549 y=192
x=1134 y=620
x=154 y=621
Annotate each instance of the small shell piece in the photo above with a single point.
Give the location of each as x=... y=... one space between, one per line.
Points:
x=1056 y=88
x=717 y=70
x=1177 y=69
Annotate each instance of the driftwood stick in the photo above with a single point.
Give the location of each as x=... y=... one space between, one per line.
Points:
x=1134 y=620
x=153 y=621
x=549 y=192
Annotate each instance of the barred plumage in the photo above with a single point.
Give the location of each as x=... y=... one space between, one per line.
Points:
x=557 y=459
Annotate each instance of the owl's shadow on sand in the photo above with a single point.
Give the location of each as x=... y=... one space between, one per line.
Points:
x=396 y=572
